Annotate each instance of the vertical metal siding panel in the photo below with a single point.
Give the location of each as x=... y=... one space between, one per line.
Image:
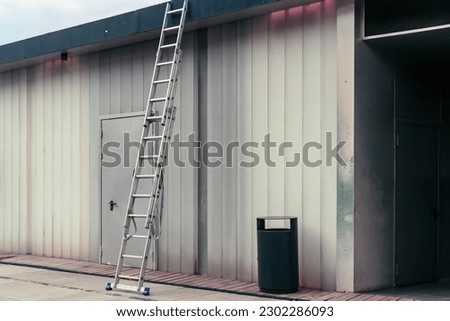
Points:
x=187 y=114
x=105 y=82
x=96 y=94
x=245 y=225
x=138 y=89
x=214 y=134
x=31 y=157
x=202 y=137
x=3 y=186
x=294 y=115
x=162 y=244
x=29 y=220
x=229 y=135
x=85 y=93
x=38 y=142
x=175 y=210
x=59 y=162
x=171 y=244
x=312 y=86
x=115 y=81
x=126 y=61
x=276 y=56
x=150 y=48
x=329 y=124
x=74 y=80
x=23 y=155
x=260 y=123
x=67 y=161
x=45 y=77
x=15 y=160
x=174 y=218
x=8 y=161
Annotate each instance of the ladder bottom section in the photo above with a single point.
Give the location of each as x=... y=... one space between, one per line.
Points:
x=129 y=288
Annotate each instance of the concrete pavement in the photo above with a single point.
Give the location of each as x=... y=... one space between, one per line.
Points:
x=34 y=284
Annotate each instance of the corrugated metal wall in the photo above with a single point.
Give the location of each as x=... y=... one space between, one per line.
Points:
x=13 y=152
x=44 y=159
x=272 y=74
x=119 y=82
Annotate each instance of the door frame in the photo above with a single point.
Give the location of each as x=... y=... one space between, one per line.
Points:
x=437 y=127
x=100 y=171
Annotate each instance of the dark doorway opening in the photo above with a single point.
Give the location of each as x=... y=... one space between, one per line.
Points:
x=422 y=164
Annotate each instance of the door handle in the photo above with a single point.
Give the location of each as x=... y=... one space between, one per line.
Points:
x=111 y=205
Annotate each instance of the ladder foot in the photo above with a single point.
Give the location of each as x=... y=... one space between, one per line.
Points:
x=108 y=287
x=146 y=291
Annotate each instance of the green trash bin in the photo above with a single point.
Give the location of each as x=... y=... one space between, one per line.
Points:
x=277 y=256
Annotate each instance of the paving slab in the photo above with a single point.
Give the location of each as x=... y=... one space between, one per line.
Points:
x=35 y=284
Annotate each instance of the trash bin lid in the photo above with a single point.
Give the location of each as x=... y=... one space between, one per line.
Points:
x=276 y=217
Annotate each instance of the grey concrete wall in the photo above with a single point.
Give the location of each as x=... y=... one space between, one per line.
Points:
x=345 y=174
x=374 y=165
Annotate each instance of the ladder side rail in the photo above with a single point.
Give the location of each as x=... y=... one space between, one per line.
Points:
x=182 y=22
x=156 y=67
x=162 y=170
x=150 y=237
x=172 y=75
x=161 y=154
x=169 y=127
x=157 y=173
x=163 y=148
x=166 y=123
x=176 y=53
x=138 y=164
x=145 y=127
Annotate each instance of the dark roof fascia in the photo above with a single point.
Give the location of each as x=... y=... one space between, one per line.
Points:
x=131 y=27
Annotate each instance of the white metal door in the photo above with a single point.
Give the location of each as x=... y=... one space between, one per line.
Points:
x=120 y=138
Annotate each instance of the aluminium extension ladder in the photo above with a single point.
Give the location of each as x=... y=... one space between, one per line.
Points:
x=152 y=160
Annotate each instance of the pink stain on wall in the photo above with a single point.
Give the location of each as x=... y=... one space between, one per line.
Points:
x=277 y=16
x=297 y=11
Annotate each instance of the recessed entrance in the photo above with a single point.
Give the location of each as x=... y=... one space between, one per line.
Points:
x=422 y=165
x=417 y=204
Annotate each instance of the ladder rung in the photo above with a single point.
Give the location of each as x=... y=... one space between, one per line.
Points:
x=154 y=118
x=175 y=11
x=126 y=256
x=153 y=137
x=170 y=45
x=127 y=287
x=138 y=216
x=145 y=176
x=149 y=157
x=165 y=63
x=162 y=81
x=172 y=28
x=142 y=195
x=155 y=100
x=140 y=236
x=129 y=277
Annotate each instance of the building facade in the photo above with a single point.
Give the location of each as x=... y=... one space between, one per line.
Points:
x=253 y=71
